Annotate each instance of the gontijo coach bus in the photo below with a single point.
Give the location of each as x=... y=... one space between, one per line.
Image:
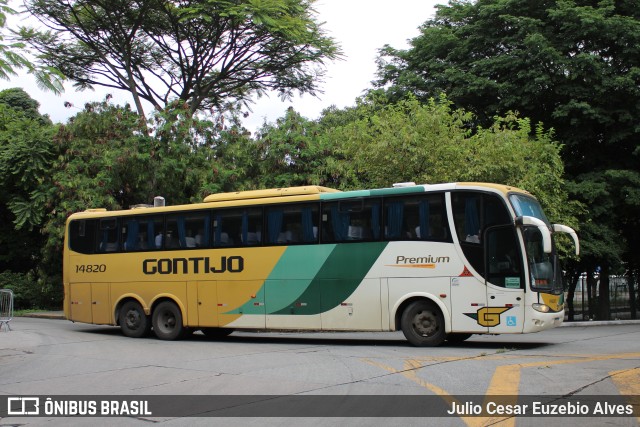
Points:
x=439 y=262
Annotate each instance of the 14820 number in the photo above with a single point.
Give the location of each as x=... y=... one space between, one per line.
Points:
x=91 y=268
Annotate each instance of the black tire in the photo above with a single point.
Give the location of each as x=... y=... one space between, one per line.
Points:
x=457 y=338
x=167 y=321
x=133 y=322
x=216 y=333
x=422 y=324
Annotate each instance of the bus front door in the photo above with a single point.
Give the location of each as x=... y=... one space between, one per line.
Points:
x=504 y=273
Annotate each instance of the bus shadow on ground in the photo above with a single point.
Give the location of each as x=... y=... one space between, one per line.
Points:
x=384 y=339
x=381 y=342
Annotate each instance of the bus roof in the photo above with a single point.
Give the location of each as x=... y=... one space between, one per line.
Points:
x=268 y=193
x=307 y=193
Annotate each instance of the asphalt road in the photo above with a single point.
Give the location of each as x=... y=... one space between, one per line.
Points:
x=57 y=357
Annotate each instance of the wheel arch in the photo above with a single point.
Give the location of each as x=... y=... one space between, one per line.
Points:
x=401 y=305
x=122 y=301
x=167 y=297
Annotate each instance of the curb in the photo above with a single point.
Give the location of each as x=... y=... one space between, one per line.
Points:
x=600 y=323
x=46 y=315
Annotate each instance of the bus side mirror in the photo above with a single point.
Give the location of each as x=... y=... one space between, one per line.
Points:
x=542 y=226
x=559 y=228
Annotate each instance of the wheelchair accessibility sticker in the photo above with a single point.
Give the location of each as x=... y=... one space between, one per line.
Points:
x=512 y=320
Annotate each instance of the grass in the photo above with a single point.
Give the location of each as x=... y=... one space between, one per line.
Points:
x=18 y=313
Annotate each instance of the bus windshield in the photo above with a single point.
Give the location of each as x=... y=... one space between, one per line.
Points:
x=527 y=206
x=544 y=271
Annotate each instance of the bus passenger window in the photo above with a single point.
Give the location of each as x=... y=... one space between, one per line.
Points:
x=415 y=218
x=237 y=227
x=292 y=224
x=108 y=235
x=189 y=230
x=142 y=233
x=351 y=221
x=82 y=236
x=133 y=238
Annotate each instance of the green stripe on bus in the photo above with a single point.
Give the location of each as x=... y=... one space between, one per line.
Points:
x=293 y=274
x=341 y=274
x=289 y=279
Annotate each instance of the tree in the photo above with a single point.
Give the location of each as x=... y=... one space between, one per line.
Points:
x=105 y=157
x=290 y=152
x=573 y=65
x=433 y=143
x=26 y=156
x=20 y=100
x=206 y=53
x=12 y=59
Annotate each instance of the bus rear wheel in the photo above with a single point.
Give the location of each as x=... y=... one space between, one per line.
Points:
x=167 y=321
x=133 y=322
x=422 y=324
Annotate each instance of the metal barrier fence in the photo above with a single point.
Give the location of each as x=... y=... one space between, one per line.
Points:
x=619 y=298
x=6 y=308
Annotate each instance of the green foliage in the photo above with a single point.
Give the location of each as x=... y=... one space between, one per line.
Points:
x=206 y=53
x=573 y=65
x=11 y=58
x=105 y=158
x=289 y=153
x=29 y=292
x=20 y=100
x=432 y=143
x=26 y=156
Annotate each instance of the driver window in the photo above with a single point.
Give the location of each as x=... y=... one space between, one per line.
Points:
x=504 y=263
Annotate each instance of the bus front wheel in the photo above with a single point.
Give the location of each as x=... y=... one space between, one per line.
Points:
x=167 y=321
x=422 y=324
x=133 y=322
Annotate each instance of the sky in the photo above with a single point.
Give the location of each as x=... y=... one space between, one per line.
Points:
x=361 y=27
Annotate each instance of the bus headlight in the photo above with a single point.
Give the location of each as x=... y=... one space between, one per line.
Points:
x=543 y=308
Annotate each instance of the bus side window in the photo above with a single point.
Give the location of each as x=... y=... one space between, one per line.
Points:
x=291 y=224
x=237 y=227
x=415 y=218
x=82 y=236
x=188 y=230
x=142 y=233
x=108 y=235
x=351 y=220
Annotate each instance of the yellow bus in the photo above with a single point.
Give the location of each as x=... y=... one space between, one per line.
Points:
x=439 y=262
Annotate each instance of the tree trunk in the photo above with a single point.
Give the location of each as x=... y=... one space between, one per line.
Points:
x=572 y=278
